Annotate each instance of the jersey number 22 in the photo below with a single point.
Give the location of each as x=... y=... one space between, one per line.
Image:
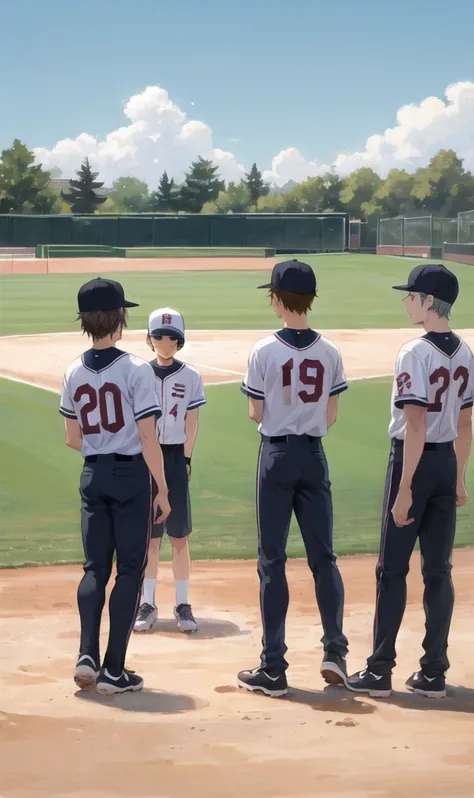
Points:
x=313 y=380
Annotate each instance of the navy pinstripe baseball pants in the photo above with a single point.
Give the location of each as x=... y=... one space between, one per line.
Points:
x=434 y=511
x=292 y=477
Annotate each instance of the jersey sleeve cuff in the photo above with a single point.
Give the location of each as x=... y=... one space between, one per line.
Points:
x=252 y=392
x=466 y=405
x=407 y=400
x=147 y=412
x=67 y=413
x=343 y=386
x=196 y=404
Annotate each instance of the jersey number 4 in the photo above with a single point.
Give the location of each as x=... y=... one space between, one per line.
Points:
x=442 y=378
x=100 y=398
x=313 y=380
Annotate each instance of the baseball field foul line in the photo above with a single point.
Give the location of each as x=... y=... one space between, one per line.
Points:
x=225 y=382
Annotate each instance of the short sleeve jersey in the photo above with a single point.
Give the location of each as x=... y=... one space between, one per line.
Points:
x=108 y=391
x=436 y=372
x=295 y=372
x=180 y=389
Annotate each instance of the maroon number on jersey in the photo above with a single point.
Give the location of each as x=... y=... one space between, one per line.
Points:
x=174 y=411
x=439 y=375
x=442 y=376
x=462 y=373
x=314 y=380
x=100 y=398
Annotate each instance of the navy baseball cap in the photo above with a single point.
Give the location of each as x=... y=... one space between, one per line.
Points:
x=434 y=279
x=293 y=276
x=100 y=294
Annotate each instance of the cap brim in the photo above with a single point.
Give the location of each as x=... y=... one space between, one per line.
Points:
x=401 y=287
x=268 y=285
x=128 y=304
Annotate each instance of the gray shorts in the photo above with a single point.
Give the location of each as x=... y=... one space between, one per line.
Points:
x=178 y=523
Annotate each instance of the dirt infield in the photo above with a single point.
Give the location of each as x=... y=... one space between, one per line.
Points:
x=103 y=265
x=219 y=355
x=192 y=732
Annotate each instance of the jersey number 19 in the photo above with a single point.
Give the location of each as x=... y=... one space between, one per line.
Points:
x=314 y=380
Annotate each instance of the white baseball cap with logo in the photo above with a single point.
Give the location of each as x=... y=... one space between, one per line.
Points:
x=166 y=321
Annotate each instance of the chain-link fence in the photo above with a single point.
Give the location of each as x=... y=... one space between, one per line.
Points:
x=419 y=236
x=465 y=227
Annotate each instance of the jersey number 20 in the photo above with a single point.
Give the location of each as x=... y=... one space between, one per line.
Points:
x=313 y=380
x=100 y=398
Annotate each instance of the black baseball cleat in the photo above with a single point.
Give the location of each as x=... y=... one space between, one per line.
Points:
x=128 y=682
x=272 y=684
x=333 y=668
x=375 y=685
x=85 y=672
x=429 y=686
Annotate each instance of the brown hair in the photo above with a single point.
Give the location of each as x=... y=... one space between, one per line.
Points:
x=295 y=303
x=149 y=342
x=99 y=324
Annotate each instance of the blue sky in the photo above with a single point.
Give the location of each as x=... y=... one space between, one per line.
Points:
x=321 y=77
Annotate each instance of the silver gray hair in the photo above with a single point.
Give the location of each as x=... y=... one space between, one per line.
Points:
x=442 y=309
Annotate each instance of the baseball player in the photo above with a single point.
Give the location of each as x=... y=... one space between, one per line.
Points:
x=431 y=435
x=110 y=403
x=293 y=382
x=181 y=395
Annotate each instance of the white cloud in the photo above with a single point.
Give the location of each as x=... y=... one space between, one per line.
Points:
x=421 y=131
x=159 y=136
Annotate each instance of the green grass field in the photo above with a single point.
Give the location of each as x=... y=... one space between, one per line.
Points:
x=39 y=499
x=39 y=522
x=354 y=292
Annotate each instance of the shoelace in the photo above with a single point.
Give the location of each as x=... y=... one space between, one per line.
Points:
x=185 y=612
x=145 y=610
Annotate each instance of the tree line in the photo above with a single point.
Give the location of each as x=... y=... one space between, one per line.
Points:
x=443 y=188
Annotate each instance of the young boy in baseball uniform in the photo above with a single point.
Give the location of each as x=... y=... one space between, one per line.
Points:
x=110 y=404
x=293 y=382
x=181 y=393
x=431 y=436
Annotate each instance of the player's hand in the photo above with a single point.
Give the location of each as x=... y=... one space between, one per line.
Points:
x=188 y=471
x=461 y=494
x=161 y=508
x=401 y=508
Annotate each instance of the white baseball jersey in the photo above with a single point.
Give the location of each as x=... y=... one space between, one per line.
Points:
x=436 y=372
x=294 y=372
x=108 y=391
x=180 y=389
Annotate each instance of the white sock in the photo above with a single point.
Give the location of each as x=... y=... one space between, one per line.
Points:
x=149 y=587
x=181 y=591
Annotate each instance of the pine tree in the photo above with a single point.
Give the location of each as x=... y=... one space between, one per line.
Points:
x=82 y=196
x=166 y=197
x=201 y=185
x=255 y=184
x=24 y=184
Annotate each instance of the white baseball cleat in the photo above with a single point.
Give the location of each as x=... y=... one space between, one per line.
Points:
x=146 y=618
x=184 y=615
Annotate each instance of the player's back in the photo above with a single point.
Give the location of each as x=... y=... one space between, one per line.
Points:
x=438 y=374
x=108 y=391
x=294 y=372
